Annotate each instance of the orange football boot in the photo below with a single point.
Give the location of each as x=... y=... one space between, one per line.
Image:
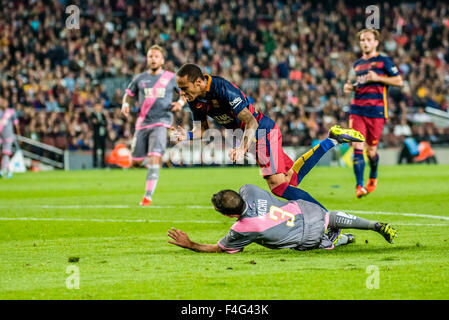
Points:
x=145 y=202
x=361 y=192
x=372 y=184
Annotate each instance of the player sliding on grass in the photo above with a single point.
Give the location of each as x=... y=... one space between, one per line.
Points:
x=300 y=224
x=229 y=106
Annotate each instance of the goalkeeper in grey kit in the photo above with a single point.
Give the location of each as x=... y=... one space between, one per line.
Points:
x=262 y=218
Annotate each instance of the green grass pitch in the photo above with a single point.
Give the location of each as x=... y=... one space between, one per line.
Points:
x=49 y=218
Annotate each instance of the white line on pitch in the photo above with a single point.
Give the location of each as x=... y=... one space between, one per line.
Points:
x=109 y=206
x=164 y=221
x=418 y=215
x=104 y=220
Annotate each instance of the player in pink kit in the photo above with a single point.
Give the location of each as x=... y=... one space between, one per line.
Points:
x=8 y=121
x=154 y=90
x=299 y=224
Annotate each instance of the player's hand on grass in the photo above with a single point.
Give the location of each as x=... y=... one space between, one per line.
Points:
x=125 y=110
x=179 y=133
x=180 y=238
x=236 y=154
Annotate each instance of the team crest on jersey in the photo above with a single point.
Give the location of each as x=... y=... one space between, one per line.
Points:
x=215 y=104
x=164 y=81
x=223 y=119
x=144 y=84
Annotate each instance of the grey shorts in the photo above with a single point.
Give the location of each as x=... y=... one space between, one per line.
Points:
x=149 y=142
x=6 y=146
x=315 y=222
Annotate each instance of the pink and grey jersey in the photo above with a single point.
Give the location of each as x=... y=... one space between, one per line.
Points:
x=155 y=96
x=8 y=118
x=276 y=224
x=370 y=99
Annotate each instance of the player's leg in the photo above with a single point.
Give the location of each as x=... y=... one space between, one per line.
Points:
x=371 y=152
x=139 y=147
x=342 y=220
x=152 y=177
x=6 y=156
x=357 y=122
x=157 y=144
x=375 y=127
x=95 y=153
x=307 y=161
x=282 y=175
x=276 y=166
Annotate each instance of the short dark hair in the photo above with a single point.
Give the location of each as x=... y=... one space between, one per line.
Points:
x=192 y=71
x=228 y=202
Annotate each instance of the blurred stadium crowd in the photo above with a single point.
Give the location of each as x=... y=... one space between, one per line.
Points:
x=292 y=57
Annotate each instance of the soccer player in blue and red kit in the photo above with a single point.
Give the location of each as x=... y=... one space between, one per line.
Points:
x=374 y=74
x=223 y=101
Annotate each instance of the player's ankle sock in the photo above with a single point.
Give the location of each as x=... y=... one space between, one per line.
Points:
x=359 y=166
x=307 y=161
x=5 y=163
x=373 y=162
x=342 y=220
x=288 y=192
x=151 y=181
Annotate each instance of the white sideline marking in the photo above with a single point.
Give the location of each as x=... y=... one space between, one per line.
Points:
x=398 y=214
x=104 y=220
x=111 y=206
x=167 y=221
x=417 y=215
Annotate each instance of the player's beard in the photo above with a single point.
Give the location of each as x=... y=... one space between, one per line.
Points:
x=369 y=52
x=155 y=69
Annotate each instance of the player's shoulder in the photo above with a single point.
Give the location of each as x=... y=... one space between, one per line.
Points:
x=168 y=72
x=382 y=56
x=248 y=188
x=359 y=61
x=139 y=76
x=217 y=83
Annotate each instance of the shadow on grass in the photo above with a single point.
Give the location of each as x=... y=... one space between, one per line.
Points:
x=339 y=251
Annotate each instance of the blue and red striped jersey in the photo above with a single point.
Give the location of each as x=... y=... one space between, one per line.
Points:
x=223 y=102
x=370 y=99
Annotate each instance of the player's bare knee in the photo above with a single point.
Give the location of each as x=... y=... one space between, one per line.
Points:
x=358 y=145
x=371 y=151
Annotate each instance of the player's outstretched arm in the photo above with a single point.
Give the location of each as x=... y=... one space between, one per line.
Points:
x=181 y=134
x=181 y=239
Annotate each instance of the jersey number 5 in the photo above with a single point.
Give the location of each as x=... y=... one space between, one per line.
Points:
x=276 y=213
